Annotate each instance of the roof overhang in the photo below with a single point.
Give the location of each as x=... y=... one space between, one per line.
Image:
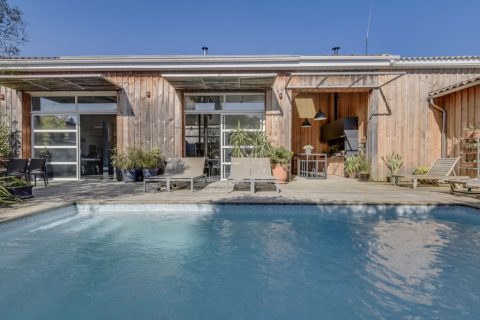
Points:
x=58 y=82
x=247 y=63
x=221 y=81
x=340 y=81
x=454 y=88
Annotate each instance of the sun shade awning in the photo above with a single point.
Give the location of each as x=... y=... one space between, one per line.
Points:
x=251 y=81
x=66 y=82
x=340 y=81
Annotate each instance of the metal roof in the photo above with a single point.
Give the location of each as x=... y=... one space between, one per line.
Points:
x=65 y=82
x=455 y=87
x=242 y=81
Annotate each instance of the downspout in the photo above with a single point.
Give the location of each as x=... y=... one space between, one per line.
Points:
x=444 y=125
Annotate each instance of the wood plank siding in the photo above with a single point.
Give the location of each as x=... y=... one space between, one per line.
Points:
x=406 y=123
x=148 y=122
x=463 y=109
x=396 y=118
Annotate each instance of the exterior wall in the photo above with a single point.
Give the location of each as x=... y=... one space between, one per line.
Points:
x=463 y=109
x=11 y=109
x=404 y=121
x=278 y=114
x=148 y=122
x=397 y=117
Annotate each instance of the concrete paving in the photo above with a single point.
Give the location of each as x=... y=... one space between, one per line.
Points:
x=334 y=190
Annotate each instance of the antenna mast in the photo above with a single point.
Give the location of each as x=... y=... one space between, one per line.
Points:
x=368 y=28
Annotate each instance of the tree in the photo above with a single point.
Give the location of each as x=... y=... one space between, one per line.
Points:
x=12 y=30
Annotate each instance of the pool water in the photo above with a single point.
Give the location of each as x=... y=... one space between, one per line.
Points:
x=245 y=262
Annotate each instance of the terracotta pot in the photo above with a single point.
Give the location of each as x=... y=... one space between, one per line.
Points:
x=280 y=172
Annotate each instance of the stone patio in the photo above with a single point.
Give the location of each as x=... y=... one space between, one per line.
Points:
x=334 y=190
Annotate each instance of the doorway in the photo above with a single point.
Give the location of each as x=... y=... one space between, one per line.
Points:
x=97 y=138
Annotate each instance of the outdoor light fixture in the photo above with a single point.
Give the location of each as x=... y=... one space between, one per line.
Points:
x=2 y=96
x=306 y=124
x=320 y=115
x=148 y=94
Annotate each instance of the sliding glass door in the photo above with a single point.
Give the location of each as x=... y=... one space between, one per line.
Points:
x=74 y=133
x=211 y=118
x=55 y=138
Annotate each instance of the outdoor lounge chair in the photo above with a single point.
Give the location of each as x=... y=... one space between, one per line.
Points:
x=261 y=171
x=239 y=172
x=251 y=170
x=180 y=169
x=440 y=171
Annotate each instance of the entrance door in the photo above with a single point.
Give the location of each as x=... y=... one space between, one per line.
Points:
x=97 y=138
x=202 y=139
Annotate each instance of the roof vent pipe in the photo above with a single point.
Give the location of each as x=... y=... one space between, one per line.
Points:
x=205 y=51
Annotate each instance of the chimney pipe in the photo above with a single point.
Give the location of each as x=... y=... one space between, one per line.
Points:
x=335 y=50
x=205 y=51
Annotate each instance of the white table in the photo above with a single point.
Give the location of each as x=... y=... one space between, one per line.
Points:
x=312 y=165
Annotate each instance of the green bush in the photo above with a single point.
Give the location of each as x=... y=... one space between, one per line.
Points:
x=419 y=171
x=10 y=143
x=280 y=155
x=14 y=182
x=151 y=159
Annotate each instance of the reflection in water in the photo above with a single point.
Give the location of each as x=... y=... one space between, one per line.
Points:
x=402 y=259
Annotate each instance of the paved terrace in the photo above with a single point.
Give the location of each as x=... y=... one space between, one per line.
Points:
x=334 y=190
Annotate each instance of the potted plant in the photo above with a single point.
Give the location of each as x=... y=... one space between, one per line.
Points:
x=129 y=162
x=393 y=162
x=364 y=169
x=352 y=166
x=17 y=187
x=308 y=149
x=6 y=198
x=280 y=158
x=151 y=162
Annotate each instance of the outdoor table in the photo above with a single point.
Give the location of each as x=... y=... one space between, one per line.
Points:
x=312 y=165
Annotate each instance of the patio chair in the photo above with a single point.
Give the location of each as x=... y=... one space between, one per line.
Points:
x=239 y=172
x=441 y=170
x=180 y=169
x=38 y=167
x=261 y=171
x=17 y=168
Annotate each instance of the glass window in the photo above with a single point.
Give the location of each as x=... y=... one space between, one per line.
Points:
x=53 y=104
x=253 y=121
x=51 y=122
x=56 y=154
x=62 y=171
x=97 y=104
x=55 y=138
x=203 y=103
x=248 y=102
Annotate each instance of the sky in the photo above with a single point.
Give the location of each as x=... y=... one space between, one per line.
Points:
x=248 y=27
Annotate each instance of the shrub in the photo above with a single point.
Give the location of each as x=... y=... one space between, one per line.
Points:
x=394 y=162
x=151 y=159
x=10 y=143
x=280 y=155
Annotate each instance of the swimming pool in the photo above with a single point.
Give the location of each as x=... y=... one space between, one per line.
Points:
x=243 y=262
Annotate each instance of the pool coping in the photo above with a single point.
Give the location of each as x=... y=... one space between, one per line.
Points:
x=28 y=212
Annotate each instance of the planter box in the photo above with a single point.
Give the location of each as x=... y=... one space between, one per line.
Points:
x=363 y=176
x=21 y=192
